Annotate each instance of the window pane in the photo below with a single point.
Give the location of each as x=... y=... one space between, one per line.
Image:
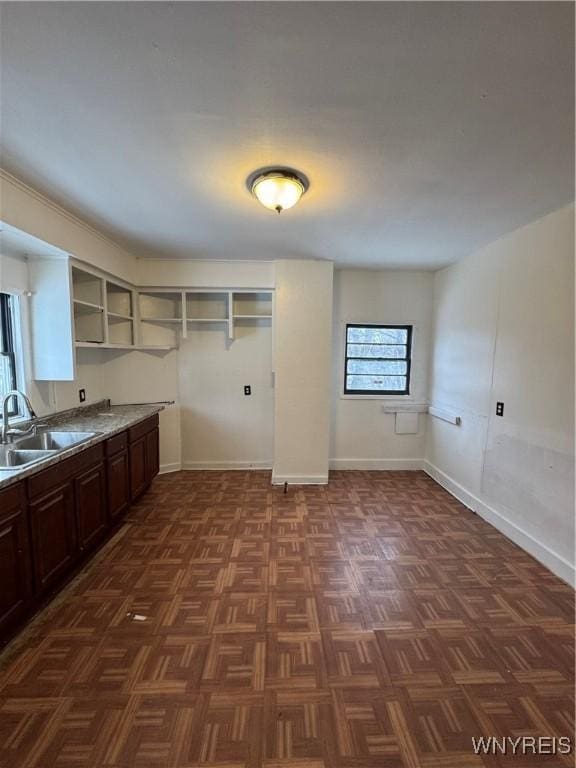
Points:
x=394 y=383
x=376 y=350
x=390 y=367
x=5 y=375
x=368 y=335
x=8 y=348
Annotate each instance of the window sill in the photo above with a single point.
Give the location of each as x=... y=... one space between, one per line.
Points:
x=389 y=398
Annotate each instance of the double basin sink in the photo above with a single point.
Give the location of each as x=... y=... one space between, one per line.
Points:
x=43 y=445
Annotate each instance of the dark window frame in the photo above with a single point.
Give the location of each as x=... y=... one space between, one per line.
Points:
x=7 y=345
x=408 y=360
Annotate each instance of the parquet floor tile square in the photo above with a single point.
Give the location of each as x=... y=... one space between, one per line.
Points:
x=413 y=658
x=486 y=607
x=401 y=549
x=470 y=658
x=229 y=732
x=392 y=610
x=289 y=576
x=354 y=660
x=289 y=549
x=295 y=660
x=217 y=551
x=240 y=612
x=292 y=613
x=343 y=612
x=235 y=661
x=371 y=729
x=299 y=729
x=438 y=609
x=371 y=623
x=250 y=550
x=190 y=613
x=528 y=655
x=441 y=723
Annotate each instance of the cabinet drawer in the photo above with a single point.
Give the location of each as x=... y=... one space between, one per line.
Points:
x=143 y=428
x=65 y=470
x=116 y=444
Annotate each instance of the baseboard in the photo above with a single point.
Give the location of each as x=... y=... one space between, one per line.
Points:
x=376 y=464
x=554 y=562
x=175 y=466
x=208 y=465
x=300 y=479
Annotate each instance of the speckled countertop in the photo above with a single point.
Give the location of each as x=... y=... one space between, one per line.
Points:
x=102 y=418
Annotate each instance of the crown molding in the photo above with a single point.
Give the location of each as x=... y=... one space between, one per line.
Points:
x=39 y=197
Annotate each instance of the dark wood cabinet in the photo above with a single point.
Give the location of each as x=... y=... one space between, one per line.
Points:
x=144 y=457
x=118 y=475
x=53 y=530
x=90 y=500
x=15 y=559
x=138 y=478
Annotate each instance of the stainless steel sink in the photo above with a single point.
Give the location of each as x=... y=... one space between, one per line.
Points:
x=28 y=450
x=52 y=441
x=11 y=457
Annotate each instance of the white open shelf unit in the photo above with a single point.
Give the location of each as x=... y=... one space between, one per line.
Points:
x=110 y=314
x=105 y=314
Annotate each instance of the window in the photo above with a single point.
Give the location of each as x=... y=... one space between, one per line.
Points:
x=377 y=359
x=8 y=348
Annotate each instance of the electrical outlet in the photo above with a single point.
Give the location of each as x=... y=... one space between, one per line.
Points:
x=247 y=389
x=499 y=409
x=82 y=395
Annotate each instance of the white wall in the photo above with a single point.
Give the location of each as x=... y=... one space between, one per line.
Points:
x=222 y=427
x=13 y=273
x=362 y=436
x=302 y=366
x=205 y=274
x=141 y=377
x=27 y=210
x=504 y=331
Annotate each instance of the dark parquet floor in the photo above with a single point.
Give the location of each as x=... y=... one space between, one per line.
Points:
x=374 y=622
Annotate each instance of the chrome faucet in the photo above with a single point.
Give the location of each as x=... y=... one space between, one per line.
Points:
x=5 y=433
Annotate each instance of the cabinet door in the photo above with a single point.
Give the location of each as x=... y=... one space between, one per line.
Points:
x=152 y=457
x=118 y=485
x=53 y=536
x=15 y=562
x=91 y=518
x=138 y=478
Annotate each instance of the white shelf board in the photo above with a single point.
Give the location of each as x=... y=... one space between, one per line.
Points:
x=141 y=347
x=207 y=319
x=252 y=317
x=120 y=316
x=161 y=319
x=87 y=306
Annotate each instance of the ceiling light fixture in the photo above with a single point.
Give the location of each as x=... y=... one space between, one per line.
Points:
x=277 y=188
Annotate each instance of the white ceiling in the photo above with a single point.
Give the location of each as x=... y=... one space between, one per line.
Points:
x=426 y=129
